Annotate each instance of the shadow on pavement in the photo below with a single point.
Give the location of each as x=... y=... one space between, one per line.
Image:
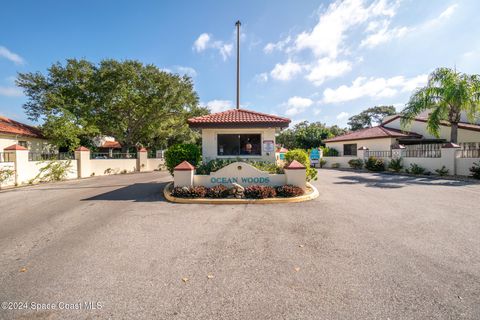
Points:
x=138 y=192
x=387 y=181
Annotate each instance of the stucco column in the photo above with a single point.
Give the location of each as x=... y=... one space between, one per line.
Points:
x=398 y=151
x=296 y=174
x=21 y=163
x=82 y=155
x=362 y=152
x=183 y=175
x=449 y=157
x=142 y=158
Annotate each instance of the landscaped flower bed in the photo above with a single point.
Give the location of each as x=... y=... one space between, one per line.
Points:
x=238 y=192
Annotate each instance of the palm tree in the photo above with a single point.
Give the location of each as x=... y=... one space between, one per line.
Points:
x=448 y=93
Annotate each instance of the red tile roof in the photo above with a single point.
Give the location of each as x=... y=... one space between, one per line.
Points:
x=82 y=148
x=10 y=126
x=373 y=133
x=184 y=166
x=111 y=144
x=15 y=147
x=238 y=117
x=295 y=165
x=461 y=125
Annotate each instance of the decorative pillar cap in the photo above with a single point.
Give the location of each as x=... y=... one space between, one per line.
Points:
x=363 y=148
x=184 y=166
x=142 y=150
x=295 y=165
x=450 y=145
x=15 y=147
x=82 y=149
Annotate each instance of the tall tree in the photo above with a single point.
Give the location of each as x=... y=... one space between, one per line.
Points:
x=135 y=103
x=447 y=94
x=370 y=116
x=307 y=135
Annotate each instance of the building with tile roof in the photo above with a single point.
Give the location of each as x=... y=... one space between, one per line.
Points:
x=13 y=132
x=239 y=133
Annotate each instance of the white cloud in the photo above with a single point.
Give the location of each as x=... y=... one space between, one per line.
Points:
x=327 y=40
x=7 y=54
x=261 y=77
x=444 y=15
x=296 y=105
x=201 y=43
x=280 y=45
x=327 y=68
x=225 y=50
x=328 y=36
x=204 y=42
x=447 y=13
x=373 y=88
x=383 y=34
x=342 y=116
x=286 y=71
x=186 y=70
x=219 y=105
x=10 y=91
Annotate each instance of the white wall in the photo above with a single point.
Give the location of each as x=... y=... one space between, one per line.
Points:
x=342 y=161
x=99 y=166
x=421 y=128
x=154 y=163
x=244 y=173
x=463 y=165
x=34 y=145
x=381 y=144
x=209 y=143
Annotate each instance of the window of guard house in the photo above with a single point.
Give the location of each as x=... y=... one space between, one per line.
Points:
x=239 y=144
x=350 y=149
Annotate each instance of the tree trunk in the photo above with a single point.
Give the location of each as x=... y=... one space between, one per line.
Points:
x=454 y=132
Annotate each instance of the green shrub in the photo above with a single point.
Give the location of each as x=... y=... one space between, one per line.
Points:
x=442 y=171
x=178 y=153
x=259 y=192
x=322 y=162
x=213 y=165
x=329 y=152
x=374 y=164
x=288 y=191
x=298 y=154
x=5 y=175
x=415 y=169
x=395 y=165
x=356 y=164
x=219 y=191
x=270 y=167
x=475 y=170
x=335 y=165
x=302 y=157
x=54 y=170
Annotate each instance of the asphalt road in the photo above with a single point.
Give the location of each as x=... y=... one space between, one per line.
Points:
x=370 y=247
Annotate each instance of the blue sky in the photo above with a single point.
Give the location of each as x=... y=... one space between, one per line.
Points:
x=308 y=60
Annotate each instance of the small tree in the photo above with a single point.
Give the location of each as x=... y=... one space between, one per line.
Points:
x=448 y=93
x=302 y=157
x=178 y=153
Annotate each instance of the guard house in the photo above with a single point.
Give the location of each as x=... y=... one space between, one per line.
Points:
x=239 y=133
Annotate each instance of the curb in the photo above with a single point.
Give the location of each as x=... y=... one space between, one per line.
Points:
x=306 y=197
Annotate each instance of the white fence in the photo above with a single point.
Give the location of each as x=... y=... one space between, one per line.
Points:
x=458 y=162
x=26 y=171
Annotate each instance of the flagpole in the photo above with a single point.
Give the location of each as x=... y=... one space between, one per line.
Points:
x=237 y=24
